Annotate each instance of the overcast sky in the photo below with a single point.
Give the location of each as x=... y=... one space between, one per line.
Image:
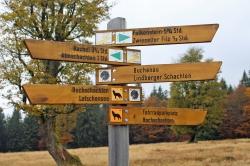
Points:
x=231 y=44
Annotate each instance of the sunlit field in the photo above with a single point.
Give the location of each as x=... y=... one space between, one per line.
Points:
x=204 y=153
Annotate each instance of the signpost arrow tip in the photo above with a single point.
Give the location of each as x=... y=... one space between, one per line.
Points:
x=123 y=37
x=117 y=55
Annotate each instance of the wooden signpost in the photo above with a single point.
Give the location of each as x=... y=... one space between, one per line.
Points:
x=158 y=73
x=157 y=36
x=82 y=94
x=69 y=51
x=130 y=72
x=156 y=116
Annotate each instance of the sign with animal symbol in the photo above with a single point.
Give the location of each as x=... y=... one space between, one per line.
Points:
x=117 y=94
x=157 y=116
x=81 y=94
x=157 y=35
x=115 y=115
x=86 y=53
x=158 y=73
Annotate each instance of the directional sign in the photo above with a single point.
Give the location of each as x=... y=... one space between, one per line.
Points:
x=157 y=36
x=158 y=73
x=69 y=51
x=81 y=94
x=156 y=116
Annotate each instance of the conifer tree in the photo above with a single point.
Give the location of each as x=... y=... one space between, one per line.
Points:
x=30 y=133
x=15 y=132
x=3 y=132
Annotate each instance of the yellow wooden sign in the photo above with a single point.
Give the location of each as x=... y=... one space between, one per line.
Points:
x=247 y=92
x=155 y=116
x=81 y=94
x=69 y=51
x=157 y=35
x=158 y=73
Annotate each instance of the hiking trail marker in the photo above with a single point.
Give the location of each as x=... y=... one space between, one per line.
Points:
x=82 y=94
x=157 y=35
x=69 y=51
x=158 y=73
x=156 y=116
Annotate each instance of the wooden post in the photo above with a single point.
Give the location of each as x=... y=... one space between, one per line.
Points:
x=118 y=136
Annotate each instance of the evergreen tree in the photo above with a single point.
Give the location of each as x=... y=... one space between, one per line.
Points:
x=154 y=92
x=15 y=132
x=2 y=131
x=199 y=94
x=91 y=127
x=159 y=93
x=230 y=89
x=30 y=133
x=245 y=81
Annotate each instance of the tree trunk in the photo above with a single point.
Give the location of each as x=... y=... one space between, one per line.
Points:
x=61 y=156
x=193 y=138
x=193 y=135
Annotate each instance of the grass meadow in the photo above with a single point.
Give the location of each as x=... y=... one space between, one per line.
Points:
x=205 y=153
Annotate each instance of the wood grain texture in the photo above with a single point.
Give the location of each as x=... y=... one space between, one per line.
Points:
x=73 y=52
x=158 y=116
x=161 y=73
x=78 y=94
x=162 y=35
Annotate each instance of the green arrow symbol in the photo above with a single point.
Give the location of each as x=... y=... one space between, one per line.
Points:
x=117 y=55
x=122 y=37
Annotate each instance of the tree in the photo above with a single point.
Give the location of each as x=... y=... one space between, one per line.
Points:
x=30 y=133
x=154 y=92
x=230 y=89
x=236 y=121
x=58 y=20
x=91 y=128
x=198 y=94
x=160 y=94
x=3 y=132
x=245 y=81
x=15 y=132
